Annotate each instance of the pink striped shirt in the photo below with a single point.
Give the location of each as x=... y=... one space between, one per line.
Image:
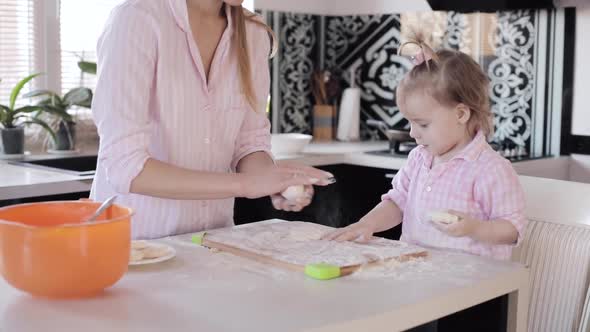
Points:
x=477 y=181
x=153 y=100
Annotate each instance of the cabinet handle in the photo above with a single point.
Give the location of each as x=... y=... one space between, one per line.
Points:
x=389 y=176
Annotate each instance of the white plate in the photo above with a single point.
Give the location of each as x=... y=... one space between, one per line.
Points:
x=171 y=253
x=63 y=152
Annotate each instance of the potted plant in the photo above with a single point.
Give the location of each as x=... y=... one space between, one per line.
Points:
x=64 y=126
x=13 y=119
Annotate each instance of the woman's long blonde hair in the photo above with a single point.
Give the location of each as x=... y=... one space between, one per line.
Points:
x=240 y=40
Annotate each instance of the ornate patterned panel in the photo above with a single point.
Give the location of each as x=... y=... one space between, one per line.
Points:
x=512 y=76
x=458 y=34
x=297 y=37
x=346 y=33
x=369 y=44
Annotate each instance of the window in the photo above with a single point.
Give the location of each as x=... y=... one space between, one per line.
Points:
x=17 y=44
x=81 y=23
x=51 y=36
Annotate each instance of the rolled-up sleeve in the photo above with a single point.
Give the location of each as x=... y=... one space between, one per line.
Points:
x=254 y=133
x=401 y=182
x=501 y=196
x=126 y=54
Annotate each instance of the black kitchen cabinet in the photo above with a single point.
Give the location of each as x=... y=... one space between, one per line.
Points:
x=60 y=197
x=357 y=190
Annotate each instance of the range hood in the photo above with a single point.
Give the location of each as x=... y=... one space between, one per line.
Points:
x=343 y=7
x=488 y=5
x=369 y=7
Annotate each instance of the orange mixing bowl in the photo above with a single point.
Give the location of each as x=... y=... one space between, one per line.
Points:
x=46 y=250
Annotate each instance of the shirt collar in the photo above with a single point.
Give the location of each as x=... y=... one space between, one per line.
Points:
x=469 y=153
x=180 y=13
x=472 y=151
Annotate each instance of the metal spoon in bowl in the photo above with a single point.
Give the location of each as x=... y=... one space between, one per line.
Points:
x=105 y=205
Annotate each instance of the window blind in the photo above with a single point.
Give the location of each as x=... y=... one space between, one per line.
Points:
x=17 y=45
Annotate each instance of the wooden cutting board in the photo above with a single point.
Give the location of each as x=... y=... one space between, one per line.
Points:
x=296 y=245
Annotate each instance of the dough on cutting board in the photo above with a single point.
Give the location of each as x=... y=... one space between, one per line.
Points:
x=304 y=235
x=443 y=217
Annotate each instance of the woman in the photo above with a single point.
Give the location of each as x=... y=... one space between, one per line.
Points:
x=179 y=107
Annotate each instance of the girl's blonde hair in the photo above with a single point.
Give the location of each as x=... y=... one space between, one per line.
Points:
x=239 y=17
x=450 y=77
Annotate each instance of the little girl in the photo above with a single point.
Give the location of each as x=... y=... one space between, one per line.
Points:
x=453 y=172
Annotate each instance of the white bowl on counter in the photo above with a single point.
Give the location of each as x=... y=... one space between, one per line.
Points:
x=289 y=143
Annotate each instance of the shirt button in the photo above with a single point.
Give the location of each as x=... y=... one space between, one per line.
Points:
x=203 y=203
x=207 y=107
x=207 y=141
x=428 y=188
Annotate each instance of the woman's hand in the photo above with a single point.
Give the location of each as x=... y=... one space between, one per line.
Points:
x=297 y=201
x=294 y=204
x=275 y=179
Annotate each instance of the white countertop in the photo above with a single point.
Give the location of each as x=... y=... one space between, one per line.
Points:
x=206 y=291
x=19 y=181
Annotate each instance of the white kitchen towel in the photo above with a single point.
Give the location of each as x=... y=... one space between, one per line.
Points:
x=350 y=111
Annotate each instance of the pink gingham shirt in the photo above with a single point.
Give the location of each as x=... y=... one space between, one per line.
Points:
x=477 y=181
x=153 y=100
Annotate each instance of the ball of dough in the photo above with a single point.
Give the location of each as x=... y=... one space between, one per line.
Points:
x=292 y=193
x=443 y=217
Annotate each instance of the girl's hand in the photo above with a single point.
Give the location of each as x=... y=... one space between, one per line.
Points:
x=296 y=204
x=465 y=226
x=361 y=232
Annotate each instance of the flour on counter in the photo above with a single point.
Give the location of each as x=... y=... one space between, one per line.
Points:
x=436 y=264
x=299 y=243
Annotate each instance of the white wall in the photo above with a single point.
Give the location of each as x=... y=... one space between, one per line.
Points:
x=581 y=106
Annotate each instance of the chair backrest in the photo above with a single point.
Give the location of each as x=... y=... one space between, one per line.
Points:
x=557 y=201
x=558 y=256
x=556 y=247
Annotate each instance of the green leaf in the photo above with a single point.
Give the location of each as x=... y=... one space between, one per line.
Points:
x=52 y=95
x=47 y=101
x=87 y=67
x=3 y=112
x=78 y=96
x=19 y=86
x=44 y=125
x=58 y=111
x=18 y=117
x=27 y=109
